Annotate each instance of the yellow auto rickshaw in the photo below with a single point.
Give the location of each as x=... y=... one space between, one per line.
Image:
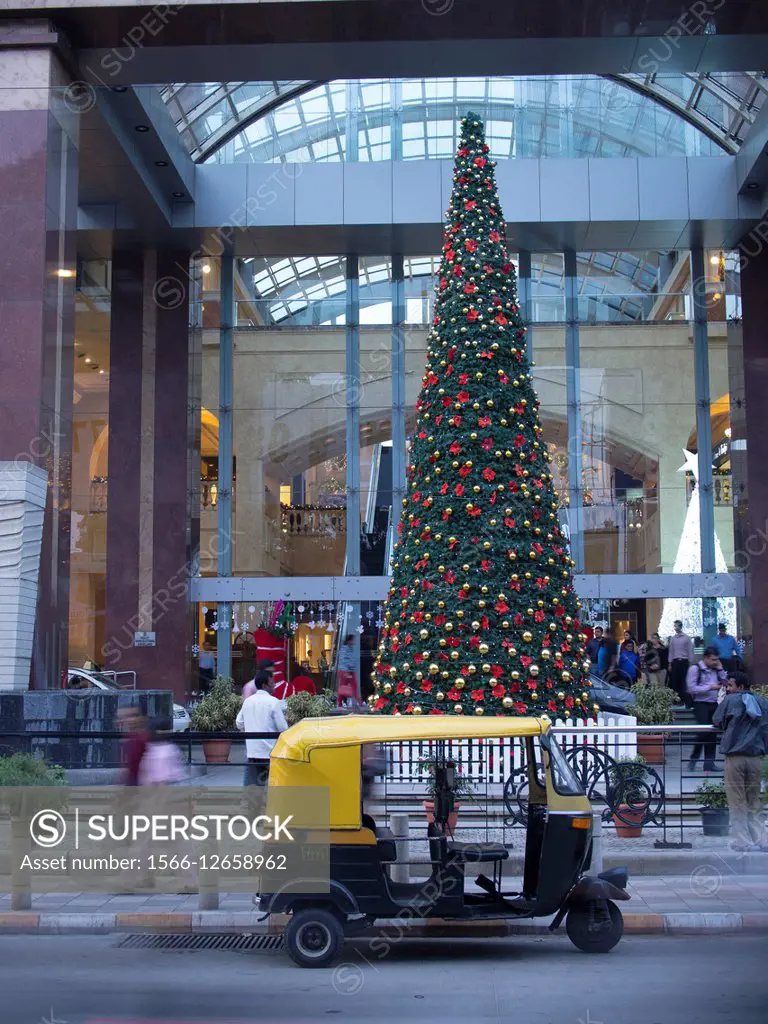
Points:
x=328 y=756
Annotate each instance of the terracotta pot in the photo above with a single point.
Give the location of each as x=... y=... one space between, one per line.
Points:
x=216 y=751
x=630 y=825
x=453 y=817
x=650 y=746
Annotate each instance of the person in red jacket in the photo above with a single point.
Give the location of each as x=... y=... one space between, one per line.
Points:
x=298 y=683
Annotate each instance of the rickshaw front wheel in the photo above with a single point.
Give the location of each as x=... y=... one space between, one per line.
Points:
x=595 y=927
x=313 y=937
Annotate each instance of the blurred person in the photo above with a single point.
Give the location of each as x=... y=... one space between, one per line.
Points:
x=653 y=660
x=263 y=666
x=628 y=638
x=261 y=712
x=703 y=682
x=592 y=648
x=629 y=661
x=207 y=666
x=607 y=656
x=161 y=761
x=727 y=648
x=743 y=717
x=349 y=691
x=680 y=654
x=133 y=723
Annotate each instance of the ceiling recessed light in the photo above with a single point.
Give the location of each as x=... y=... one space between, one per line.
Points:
x=714 y=260
x=716 y=296
x=752 y=185
x=161 y=163
x=65 y=272
x=142 y=128
x=102 y=371
x=206 y=268
x=178 y=195
x=88 y=359
x=119 y=88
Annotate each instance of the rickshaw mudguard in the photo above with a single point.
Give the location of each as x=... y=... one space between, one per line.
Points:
x=590 y=888
x=338 y=896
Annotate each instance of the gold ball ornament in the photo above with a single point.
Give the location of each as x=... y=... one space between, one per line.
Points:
x=417 y=709
x=534 y=670
x=527 y=636
x=392 y=672
x=565 y=676
x=483 y=648
x=507 y=702
x=440 y=696
x=458 y=709
x=479 y=710
x=387 y=687
x=434 y=668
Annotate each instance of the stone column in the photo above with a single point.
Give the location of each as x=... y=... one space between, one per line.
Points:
x=750 y=439
x=39 y=134
x=23 y=489
x=152 y=541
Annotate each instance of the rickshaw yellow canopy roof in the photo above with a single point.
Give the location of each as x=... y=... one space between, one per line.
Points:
x=297 y=743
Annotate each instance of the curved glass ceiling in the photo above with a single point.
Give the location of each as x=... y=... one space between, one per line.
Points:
x=310 y=290
x=416 y=119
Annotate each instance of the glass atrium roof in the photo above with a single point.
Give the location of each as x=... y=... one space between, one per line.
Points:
x=310 y=290
x=416 y=119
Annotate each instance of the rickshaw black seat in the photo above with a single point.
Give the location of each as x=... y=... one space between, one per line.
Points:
x=477 y=852
x=386 y=845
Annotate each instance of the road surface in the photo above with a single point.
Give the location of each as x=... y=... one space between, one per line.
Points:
x=73 y=979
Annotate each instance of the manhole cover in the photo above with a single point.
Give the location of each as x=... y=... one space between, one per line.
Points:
x=238 y=941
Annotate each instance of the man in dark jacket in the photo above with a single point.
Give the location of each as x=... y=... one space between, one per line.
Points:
x=743 y=716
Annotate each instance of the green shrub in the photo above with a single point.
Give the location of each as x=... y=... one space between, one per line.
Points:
x=308 y=705
x=627 y=778
x=28 y=770
x=712 y=795
x=218 y=709
x=653 y=704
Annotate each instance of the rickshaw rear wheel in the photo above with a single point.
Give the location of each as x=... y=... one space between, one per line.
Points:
x=314 y=937
x=595 y=927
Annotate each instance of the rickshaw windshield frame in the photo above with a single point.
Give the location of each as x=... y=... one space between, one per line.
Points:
x=564 y=780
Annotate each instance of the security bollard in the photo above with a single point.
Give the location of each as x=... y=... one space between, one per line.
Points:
x=401 y=870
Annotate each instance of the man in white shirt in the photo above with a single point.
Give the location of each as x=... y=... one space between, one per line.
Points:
x=260 y=712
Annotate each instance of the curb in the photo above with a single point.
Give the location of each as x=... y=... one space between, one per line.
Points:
x=219 y=921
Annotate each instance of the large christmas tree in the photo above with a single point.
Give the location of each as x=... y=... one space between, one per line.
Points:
x=482 y=617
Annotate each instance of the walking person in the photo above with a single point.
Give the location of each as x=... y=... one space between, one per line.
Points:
x=161 y=763
x=629 y=662
x=263 y=666
x=349 y=691
x=653 y=657
x=743 y=717
x=133 y=724
x=593 y=644
x=704 y=681
x=261 y=712
x=680 y=654
x=727 y=648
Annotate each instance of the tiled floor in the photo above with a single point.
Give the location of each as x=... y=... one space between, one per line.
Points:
x=705 y=890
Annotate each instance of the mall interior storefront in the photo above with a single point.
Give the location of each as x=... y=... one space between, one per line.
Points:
x=242 y=392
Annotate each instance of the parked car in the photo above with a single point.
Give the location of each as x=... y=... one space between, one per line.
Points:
x=85 y=678
x=611 y=698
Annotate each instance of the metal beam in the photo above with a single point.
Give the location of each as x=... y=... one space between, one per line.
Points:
x=352 y=392
x=375 y=588
x=399 y=458
x=703 y=409
x=573 y=402
x=224 y=509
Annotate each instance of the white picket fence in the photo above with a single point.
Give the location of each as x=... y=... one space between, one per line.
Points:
x=494 y=760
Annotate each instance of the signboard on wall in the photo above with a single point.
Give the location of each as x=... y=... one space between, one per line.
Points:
x=144 y=639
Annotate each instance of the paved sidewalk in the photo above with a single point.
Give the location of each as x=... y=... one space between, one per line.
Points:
x=705 y=890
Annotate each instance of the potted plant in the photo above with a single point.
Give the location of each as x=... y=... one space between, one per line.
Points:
x=653 y=706
x=462 y=786
x=308 y=705
x=626 y=780
x=715 y=817
x=217 y=712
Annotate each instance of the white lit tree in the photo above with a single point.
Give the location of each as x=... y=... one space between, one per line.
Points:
x=688 y=560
